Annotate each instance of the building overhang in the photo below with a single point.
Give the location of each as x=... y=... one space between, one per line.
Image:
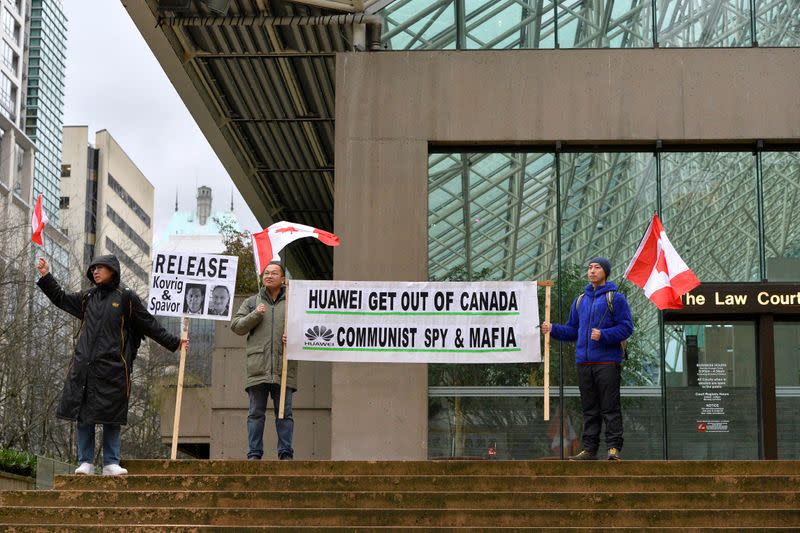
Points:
x=262 y=93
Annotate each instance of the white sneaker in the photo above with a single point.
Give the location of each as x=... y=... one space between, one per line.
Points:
x=113 y=470
x=87 y=469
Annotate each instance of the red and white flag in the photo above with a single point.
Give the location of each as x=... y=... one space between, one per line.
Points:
x=38 y=220
x=659 y=270
x=267 y=243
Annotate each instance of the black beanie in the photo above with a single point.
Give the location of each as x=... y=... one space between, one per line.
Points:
x=603 y=262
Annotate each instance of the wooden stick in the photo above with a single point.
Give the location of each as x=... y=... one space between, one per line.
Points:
x=285 y=365
x=176 y=419
x=547 y=285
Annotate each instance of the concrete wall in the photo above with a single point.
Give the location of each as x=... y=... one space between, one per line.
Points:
x=390 y=106
x=15 y=482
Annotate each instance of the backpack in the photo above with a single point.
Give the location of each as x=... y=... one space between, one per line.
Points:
x=135 y=337
x=609 y=307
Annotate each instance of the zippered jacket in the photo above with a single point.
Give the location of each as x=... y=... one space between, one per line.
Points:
x=593 y=312
x=264 y=339
x=98 y=382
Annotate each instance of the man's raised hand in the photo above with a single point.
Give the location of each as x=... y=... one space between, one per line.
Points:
x=42 y=267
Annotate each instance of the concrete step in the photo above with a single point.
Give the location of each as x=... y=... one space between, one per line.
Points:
x=402 y=500
x=491 y=518
x=529 y=468
x=72 y=528
x=576 y=483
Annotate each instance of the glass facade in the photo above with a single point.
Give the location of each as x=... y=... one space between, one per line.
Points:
x=506 y=24
x=542 y=215
x=45 y=99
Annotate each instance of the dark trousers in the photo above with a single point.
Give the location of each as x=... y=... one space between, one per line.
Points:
x=256 y=419
x=599 y=386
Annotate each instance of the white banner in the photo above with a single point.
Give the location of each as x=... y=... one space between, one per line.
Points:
x=405 y=322
x=192 y=285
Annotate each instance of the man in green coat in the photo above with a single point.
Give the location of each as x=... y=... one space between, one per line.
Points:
x=262 y=317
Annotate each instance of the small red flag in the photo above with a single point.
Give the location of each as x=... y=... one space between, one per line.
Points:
x=38 y=220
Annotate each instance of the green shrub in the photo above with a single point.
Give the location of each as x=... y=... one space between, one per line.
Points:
x=19 y=463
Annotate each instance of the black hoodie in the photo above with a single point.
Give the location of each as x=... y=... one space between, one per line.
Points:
x=99 y=375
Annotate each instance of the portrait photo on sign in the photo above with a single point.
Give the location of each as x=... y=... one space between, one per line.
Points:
x=194 y=299
x=219 y=300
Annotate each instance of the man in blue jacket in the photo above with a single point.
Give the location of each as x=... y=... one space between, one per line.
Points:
x=599 y=321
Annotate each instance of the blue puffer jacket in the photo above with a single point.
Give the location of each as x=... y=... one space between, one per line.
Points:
x=594 y=313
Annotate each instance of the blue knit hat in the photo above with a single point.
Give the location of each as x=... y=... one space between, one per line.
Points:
x=603 y=262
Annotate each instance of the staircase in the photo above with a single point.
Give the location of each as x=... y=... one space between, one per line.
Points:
x=422 y=495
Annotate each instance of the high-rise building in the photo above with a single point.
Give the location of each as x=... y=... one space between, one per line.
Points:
x=13 y=68
x=107 y=204
x=44 y=108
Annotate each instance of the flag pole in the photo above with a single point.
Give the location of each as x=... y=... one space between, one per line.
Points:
x=285 y=362
x=548 y=284
x=176 y=419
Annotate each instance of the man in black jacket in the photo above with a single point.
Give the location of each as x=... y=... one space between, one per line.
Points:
x=97 y=388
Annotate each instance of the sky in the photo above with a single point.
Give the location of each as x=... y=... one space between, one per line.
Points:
x=114 y=82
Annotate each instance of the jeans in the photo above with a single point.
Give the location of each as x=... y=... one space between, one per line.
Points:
x=259 y=395
x=112 y=437
x=599 y=386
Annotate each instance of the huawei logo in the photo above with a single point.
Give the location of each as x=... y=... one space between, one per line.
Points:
x=319 y=333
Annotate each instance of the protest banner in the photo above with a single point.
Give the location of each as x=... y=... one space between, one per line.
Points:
x=190 y=285
x=409 y=322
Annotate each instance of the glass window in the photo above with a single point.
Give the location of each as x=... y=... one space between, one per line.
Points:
x=781 y=185
x=607 y=201
x=418 y=24
x=700 y=23
x=497 y=427
x=710 y=213
x=787 y=388
x=8 y=55
x=6 y=94
x=777 y=23
x=8 y=22
x=66 y=171
x=605 y=24
x=491 y=216
x=489 y=24
x=712 y=393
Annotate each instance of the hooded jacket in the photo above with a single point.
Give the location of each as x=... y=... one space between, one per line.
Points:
x=593 y=312
x=264 y=339
x=98 y=380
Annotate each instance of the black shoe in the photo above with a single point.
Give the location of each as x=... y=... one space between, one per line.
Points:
x=613 y=454
x=583 y=456
x=286 y=457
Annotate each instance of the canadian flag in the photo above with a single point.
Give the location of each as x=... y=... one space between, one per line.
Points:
x=267 y=243
x=38 y=220
x=659 y=270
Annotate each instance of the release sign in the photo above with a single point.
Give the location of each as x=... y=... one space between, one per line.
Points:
x=192 y=285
